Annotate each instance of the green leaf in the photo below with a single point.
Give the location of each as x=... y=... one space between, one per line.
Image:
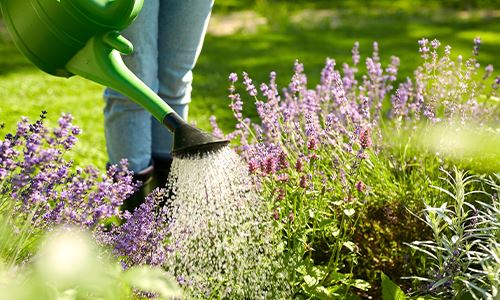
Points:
x=153 y=280
x=361 y=284
x=302 y=269
x=335 y=277
x=349 y=212
x=350 y=245
x=310 y=281
x=390 y=290
x=323 y=293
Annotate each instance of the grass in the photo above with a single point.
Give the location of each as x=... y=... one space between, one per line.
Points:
x=25 y=91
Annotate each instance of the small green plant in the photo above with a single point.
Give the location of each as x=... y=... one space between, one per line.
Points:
x=462 y=259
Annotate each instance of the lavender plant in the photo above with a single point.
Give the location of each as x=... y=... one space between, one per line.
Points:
x=34 y=172
x=446 y=90
x=463 y=255
x=319 y=154
x=305 y=155
x=42 y=189
x=142 y=238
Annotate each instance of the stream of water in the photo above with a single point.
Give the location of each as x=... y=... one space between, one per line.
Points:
x=222 y=242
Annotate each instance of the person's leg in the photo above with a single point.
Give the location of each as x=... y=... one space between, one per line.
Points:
x=182 y=24
x=127 y=124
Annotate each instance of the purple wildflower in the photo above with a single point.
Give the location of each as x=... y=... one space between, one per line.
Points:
x=252 y=91
x=360 y=186
x=303 y=181
x=299 y=166
x=424 y=50
x=488 y=70
x=141 y=239
x=233 y=77
x=39 y=177
x=299 y=80
x=365 y=139
x=477 y=44
x=281 y=192
x=216 y=131
x=435 y=43
x=276 y=215
x=283 y=177
x=447 y=50
x=355 y=54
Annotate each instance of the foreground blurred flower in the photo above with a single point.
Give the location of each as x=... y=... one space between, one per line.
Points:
x=69 y=265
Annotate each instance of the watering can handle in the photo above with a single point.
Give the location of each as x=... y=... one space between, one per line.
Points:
x=112 y=14
x=115 y=40
x=100 y=61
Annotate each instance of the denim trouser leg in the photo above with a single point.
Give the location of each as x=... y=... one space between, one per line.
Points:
x=183 y=24
x=167 y=38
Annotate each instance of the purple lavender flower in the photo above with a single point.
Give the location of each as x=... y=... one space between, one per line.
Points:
x=141 y=239
x=299 y=80
x=216 y=131
x=299 y=166
x=355 y=54
x=447 y=50
x=360 y=186
x=392 y=69
x=488 y=70
x=477 y=44
x=236 y=106
x=252 y=91
x=365 y=139
x=435 y=43
x=283 y=177
x=424 y=50
x=281 y=192
x=303 y=181
x=276 y=215
x=233 y=77
x=39 y=178
x=375 y=54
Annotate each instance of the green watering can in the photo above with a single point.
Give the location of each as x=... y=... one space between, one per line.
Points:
x=81 y=37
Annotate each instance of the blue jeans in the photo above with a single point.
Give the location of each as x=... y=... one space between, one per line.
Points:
x=167 y=37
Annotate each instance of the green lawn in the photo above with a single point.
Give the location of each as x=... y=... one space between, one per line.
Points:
x=273 y=46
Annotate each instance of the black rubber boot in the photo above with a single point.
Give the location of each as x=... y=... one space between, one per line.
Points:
x=161 y=171
x=147 y=185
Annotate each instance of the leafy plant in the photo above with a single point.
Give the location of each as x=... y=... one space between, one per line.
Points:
x=463 y=254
